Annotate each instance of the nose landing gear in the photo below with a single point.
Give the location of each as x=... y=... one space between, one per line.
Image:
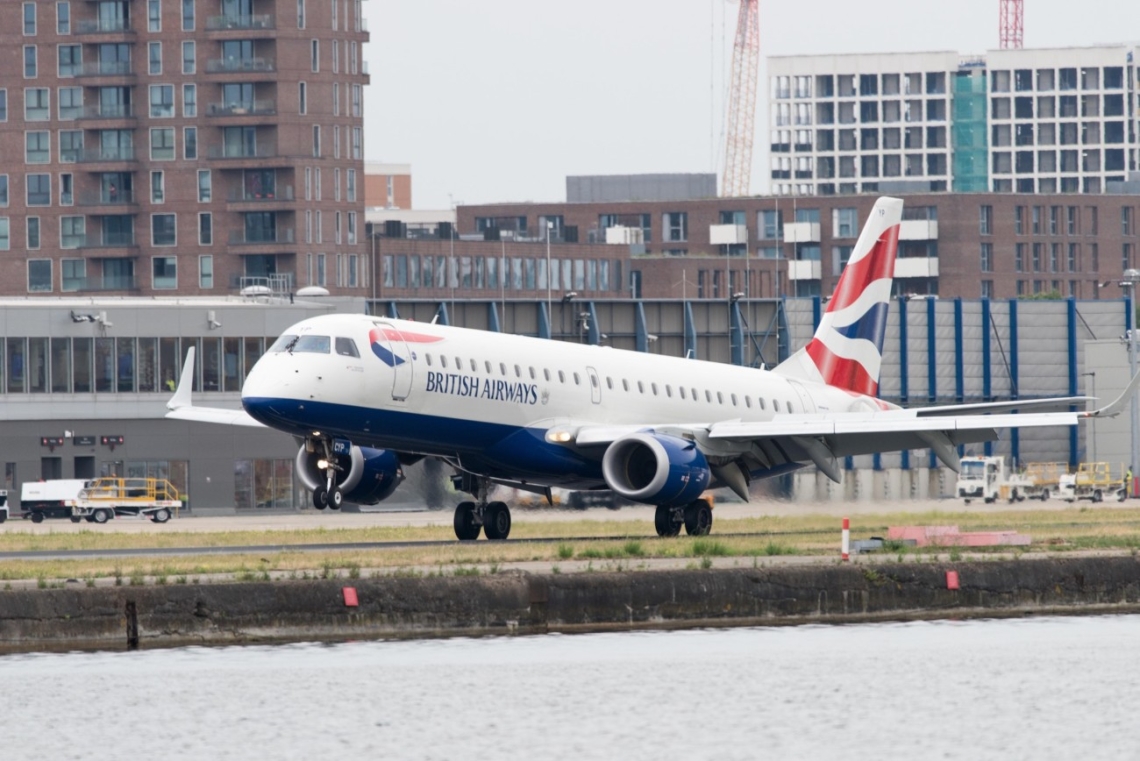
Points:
x=328 y=494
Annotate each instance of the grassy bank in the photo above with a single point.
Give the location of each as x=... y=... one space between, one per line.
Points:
x=594 y=544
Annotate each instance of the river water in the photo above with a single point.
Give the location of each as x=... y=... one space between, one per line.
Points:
x=1048 y=688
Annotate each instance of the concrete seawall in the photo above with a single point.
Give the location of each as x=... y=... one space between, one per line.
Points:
x=521 y=603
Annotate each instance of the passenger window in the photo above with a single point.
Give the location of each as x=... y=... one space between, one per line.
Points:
x=442 y=360
x=748 y=401
x=458 y=363
x=474 y=366
x=719 y=398
x=518 y=371
x=733 y=397
x=708 y=396
x=427 y=358
x=503 y=368
x=533 y=374
x=487 y=364
x=546 y=374
x=788 y=406
x=577 y=379
x=561 y=377
x=625 y=384
x=346 y=347
x=640 y=387
x=681 y=389
x=775 y=405
x=312 y=345
x=594 y=381
x=760 y=401
x=668 y=391
x=609 y=383
x=654 y=387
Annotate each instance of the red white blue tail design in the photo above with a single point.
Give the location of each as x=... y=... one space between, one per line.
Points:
x=847 y=349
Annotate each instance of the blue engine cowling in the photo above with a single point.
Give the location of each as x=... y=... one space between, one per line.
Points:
x=366 y=475
x=656 y=469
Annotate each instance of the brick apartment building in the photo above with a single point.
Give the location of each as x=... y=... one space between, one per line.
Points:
x=181 y=147
x=972 y=245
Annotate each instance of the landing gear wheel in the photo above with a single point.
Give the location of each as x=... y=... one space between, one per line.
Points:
x=667 y=521
x=101 y=516
x=335 y=498
x=466 y=529
x=698 y=518
x=497 y=521
x=320 y=498
x=161 y=516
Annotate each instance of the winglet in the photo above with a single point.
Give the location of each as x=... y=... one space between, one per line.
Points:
x=181 y=396
x=1117 y=406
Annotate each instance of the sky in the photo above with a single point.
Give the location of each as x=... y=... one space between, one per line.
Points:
x=500 y=100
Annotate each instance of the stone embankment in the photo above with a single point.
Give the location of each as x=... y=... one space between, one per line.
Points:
x=526 y=603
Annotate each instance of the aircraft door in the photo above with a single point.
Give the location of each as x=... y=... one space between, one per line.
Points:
x=807 y=404
x=595 y=385
x=401 y=362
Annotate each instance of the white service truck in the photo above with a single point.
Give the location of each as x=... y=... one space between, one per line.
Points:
x=989 y=479
x=3 y=505
x=49 y=499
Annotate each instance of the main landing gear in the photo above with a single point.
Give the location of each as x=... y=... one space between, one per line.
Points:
x=327 y=494
x=493 y=518
x=696 y=517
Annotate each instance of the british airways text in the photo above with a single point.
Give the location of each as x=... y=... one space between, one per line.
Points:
x=495 y=390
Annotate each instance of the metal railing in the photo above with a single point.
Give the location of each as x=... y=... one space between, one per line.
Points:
x=102 y=26
x=109 y=240
x=242 y=152
x=109 y=283
x=247 y=238
x=107 y=198
x=105 y=69
x=243 y=21
x=238 y=65
x=104 y=111
x=88 y=155
x=242 y=195
x=243 y=108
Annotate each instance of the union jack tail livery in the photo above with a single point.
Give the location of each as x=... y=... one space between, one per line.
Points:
x=847 y=349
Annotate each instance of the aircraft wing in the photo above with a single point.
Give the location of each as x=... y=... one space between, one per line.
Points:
x=182 y=408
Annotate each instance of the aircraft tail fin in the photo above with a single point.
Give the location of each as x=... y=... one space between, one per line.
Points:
x=847 y=349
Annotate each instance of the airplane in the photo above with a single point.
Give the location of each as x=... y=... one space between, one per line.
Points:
x=366 y=396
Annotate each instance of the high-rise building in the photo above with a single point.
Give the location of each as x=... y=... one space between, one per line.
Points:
x=182 y=146
x=1021 y=120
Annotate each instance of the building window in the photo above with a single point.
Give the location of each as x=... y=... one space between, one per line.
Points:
x=70 y=60
x=30 y=66
x=314 y=55
x=1019 y=220
x=845 y=223
x=187 y=15
x=3 y=105
x=1126 y=221
x=352 y=229
x=33 y=232
x=29 y=19
x=3 y=190
x=350 y=181
x=164 y=270
x=39 y=275
x=37 y=147
x=1019 y=258
x=63 y=18
x=157 y=187
x=162 y=144
x=154 y=15
x=162 y=101
x=316 y=140
x=302 y=98
x=162 y=228
x=358 y=146
x=206 y=232
x=72 y=231
x=190 y=142
x=189 y=57
x=189 y=100
x=205 y=186
x=70 y=103
x=987 y=257
x=5 y=242
x=300 y=14
x=676 y=224
x=66 y=189
x=206 y=271
x=987 y=289
x=73 y=273
x=39 y=189
x=37 y=104
x=154 y=57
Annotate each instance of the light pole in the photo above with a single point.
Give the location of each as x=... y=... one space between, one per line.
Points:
x=549 y=229
x=1092 y=433
x=1131 y=278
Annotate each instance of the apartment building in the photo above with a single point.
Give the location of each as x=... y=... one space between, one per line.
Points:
x=182 y=147
x=1061 y=120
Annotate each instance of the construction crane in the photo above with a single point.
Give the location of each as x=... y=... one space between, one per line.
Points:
x=1012 y=24
x=741 y=126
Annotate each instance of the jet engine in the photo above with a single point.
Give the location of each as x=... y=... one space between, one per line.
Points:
x=656 y=469
x=366 y=476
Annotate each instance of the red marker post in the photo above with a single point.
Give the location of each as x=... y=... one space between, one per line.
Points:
x=846 y=548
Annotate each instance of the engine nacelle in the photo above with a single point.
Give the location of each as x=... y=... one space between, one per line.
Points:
x=659 y=470
x=366 y=475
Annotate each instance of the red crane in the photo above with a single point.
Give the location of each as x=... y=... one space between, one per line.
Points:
x=741 y=126
x=1012 y=24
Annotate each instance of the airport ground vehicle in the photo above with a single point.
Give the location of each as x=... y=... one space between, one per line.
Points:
x=3 y=505
x=48 y=499
x=104 y=498
x=989 y=479
x=1094 y=481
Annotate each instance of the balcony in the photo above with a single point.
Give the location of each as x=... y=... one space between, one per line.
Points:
x=240 y=65
x=104 y=283
x=243 y=108
x=108 y=240
x=116 y=27
x=106 y=155
x=806 y=269
x=261 y=238
x=916 y=266
x=242 y=152
x=727 y=235
x=108 y=198
x=105 y=69
x=283 y=194
x=918 y=229
x=240 y=23
x=121 y=112
x=802 y=232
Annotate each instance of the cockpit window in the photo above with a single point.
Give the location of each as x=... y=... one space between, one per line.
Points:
x=312 y=345
x=346 y=347
x=282 y=343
